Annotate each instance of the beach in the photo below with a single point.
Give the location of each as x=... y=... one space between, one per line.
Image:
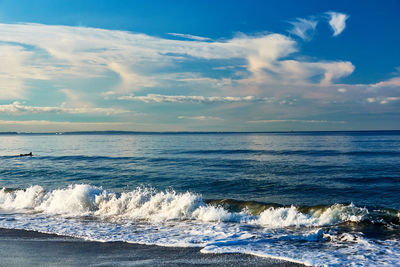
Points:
x=28 y=248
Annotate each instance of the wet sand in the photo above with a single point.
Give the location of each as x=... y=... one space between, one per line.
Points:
x=27 y=248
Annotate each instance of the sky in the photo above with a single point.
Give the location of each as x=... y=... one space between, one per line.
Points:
x=206 y=65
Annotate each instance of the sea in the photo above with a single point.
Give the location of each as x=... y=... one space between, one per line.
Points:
x=316 y=198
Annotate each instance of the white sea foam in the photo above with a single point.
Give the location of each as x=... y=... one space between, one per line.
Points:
x=78 y=200
x=143 y=204
x=283 y=217
x=147 y=204
x=140 y=204
x=146 y=216
x=213 y=214
x=336 y=214
x=22 y=199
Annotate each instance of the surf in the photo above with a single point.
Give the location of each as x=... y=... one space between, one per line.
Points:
x=184 y=219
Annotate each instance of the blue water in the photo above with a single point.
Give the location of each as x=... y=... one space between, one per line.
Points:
x=301 y=169
x=268 y=169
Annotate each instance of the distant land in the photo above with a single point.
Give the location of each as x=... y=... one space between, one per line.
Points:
x=386 y=132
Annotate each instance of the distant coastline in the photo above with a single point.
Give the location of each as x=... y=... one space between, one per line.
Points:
x=385 y=132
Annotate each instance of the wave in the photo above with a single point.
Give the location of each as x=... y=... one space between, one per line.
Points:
x=73 y=157
x=257 y=152
x=292 y=152
x=315 y=235
x=147 y=204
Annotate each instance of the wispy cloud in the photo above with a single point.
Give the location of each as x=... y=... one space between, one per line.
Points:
x=383 y=99
x=141 y=62
x=57 y=126
x=200 y=118
x=300 y=121
x=303 y=28
x=102 y=68
x=303 y=71
x=394 y=82
x=337 y=21
x=18 y=65
x=17 y=108
x=194 y=99
x=65 y=123
x=189 y=36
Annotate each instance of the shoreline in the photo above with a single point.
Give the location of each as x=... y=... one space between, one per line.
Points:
x=27 y=248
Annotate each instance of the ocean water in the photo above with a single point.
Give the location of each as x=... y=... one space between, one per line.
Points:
x=317 y=198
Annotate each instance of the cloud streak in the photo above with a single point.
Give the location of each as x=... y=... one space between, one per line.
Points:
x=189 y=36
x=61 y=126
x=394 y=82
x=383 y=100
x=200 y=118
x=18 y=109
x=300 y=121
x=157 y=98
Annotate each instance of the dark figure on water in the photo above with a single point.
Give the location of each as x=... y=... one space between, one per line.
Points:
x=29 y=154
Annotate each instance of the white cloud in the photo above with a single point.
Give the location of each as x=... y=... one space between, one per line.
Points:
x=45 y=122
x=130 y=81
x=334 y=70
x=337 y=21
x=200 y=118
x=76 y=99
x=382 y=99
x=13 y=70
x=263 y=52
x=303 y=28
x=394 y=82
x=301 y=72
x=61 y=126
x=63 y=53
x=194 y=99
x=189 y=36
x=300 y=121
x=17 y=108
x=82 y=53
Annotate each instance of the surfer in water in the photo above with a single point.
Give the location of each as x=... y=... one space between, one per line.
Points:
x=23 y=155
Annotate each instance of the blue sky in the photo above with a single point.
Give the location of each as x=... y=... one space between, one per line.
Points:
x=199 y=65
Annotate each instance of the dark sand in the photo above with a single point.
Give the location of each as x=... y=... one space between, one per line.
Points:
x=26 y=248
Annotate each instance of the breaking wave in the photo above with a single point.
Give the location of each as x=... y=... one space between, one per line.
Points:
x=168 y=218
x=147 y=204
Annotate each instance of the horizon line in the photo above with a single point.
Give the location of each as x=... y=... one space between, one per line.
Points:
x=185 y=132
